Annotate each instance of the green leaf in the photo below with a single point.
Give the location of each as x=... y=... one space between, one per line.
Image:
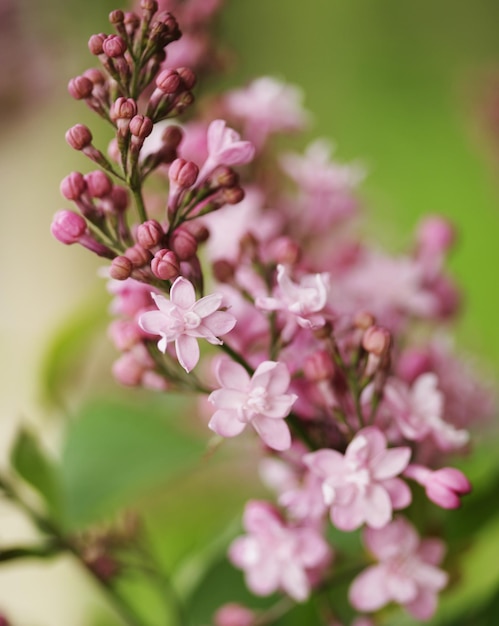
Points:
x=116 y=450
x=64 y=360
x=32 y=464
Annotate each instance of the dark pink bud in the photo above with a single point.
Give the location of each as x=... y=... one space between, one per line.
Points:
x=141 y=126
x=234 y=615
x=168 y=81
x=172 y=136
x=95 y=75
x=286 y=251
x=96 y=42
x=138 y=255
x=412 y=363
x=114 y=46
x=124 y=334
x=116 y=17
x=119 y=197
x=165 y=265
x=149 y=234
x=132 y=22
x=98 y=184
x=225 y=177
x=376 y=340
x=232 y=195
x=149 y=5
x=223 y=271
x=121 y=268
x=443 y=487
x=188 y=77
x=68 y=227
x=183 y=243
x=80 y=87
x=318 y=366
x=198 y=230
x=183 y=173
x=79 y=137
x=73 y=186
x=123 y=109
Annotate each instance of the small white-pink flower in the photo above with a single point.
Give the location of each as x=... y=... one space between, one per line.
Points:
x=407 y=571
x=225 y=147
x=184 y=320
x=361 y=486
x=276 y=556
x=260 y=400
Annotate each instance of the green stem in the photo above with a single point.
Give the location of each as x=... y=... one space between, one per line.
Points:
x=139 y=201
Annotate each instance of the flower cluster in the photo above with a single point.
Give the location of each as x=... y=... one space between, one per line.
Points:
x=316 y=326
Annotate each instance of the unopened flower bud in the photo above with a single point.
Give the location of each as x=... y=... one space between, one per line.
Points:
x=443 y=487
x=198 y=230
x=123 y=109
x=285 y=251
x=73 y=186
x=172 y=136
x=168 y=81
x=363 y=320
x=225 y=177
x=114 y=46
x=187 y=76
x=124 y=333
x=149 y=234
x=183 y=243
x=223 y=270
x=98 y=184
x=376 y=340
x=183 y=173
x=79 y=137
x=165 y=265
x=119 y=197
x=232 y=195
x=138 y=255
x=132 y=22
x=121 y=268
x=318 y=366
x=127 y=370
x=80 y=87
x=435 y=235
x=68 y=227
x=117 y=17
x=149 y=5
x=96 y=42
x=141 y=126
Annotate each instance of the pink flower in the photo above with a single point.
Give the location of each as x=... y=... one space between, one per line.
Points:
x=183 y=320
x=225 y=147
x=361 y=485
x=443 y=486
x=276 y=556
x=303 y=301
x=418 y=410
x=260 y=400
x=406 y=574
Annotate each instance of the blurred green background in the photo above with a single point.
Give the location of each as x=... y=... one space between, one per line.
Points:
x=411 y=88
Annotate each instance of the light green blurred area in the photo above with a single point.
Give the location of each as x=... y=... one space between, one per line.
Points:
x=404 y=86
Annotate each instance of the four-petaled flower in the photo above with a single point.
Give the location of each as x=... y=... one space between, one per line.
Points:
x=407 y=571
x=361 y=485
x=260 y=400
x=276 y=556
x=183 y=320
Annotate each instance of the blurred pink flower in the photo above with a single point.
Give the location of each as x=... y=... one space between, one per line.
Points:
x=276 y=556
x=406 y=574
x=183 y=319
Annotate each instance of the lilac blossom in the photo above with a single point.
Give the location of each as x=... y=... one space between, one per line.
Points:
x=407 y=571
x=361 y=485
x=276 y=556
x=418 y=412
x=183 y=319
x=260 y=400
x=225 y=147
x=303 y=302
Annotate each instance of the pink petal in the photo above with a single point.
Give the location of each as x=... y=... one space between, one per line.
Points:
x=424 y=605
x=274 y=433
x=263 y=579
x=237 y=153
x=207 y=305
x=378 y=507
x=261 y=518
x=432 y=551
x=325 y=463
x=312 y=548
x=348 y=517
x=163 y=303
x=187 y=352
x=401 y=588
x=232 y=375
x=182 y=293
x=226 y=424
x=280 y=407
x=227 y=398
x=219 y=323
x=366 y=445
x=390 y=463
x=279 y=379
x=153 y=322
x=368 y=591
x=215 y=134
x=395 y=538
x=399 y=492
x=295 y=582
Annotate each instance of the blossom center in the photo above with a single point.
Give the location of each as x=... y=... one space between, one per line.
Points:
x=191 y=320
x=257 y=400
